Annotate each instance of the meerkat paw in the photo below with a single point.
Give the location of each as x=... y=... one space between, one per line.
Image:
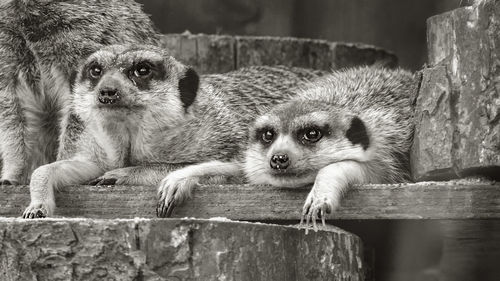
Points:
x=173 y=190
x=38 y=210
x=114 y=177
x=317 y=205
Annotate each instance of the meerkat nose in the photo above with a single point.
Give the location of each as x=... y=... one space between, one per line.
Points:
x=280 y=161
x=108 y=96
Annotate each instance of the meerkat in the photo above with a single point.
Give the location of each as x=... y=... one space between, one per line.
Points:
x=145 y=114
x=349 y=127
x=41 y=43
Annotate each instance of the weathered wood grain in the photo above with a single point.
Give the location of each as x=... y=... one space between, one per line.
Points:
x=223 y=53
x=174 y=249
x=432 y=200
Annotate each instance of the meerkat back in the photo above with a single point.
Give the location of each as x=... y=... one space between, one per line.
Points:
x=41 y=42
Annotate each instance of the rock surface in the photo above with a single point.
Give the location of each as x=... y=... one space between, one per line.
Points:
x=174 y=249
x=220 y=53
x=458 y=116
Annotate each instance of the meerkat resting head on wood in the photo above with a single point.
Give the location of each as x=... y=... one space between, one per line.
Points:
x=351 y=127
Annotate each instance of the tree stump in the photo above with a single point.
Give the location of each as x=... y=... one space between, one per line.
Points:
x=174 y=249
x=220 y=53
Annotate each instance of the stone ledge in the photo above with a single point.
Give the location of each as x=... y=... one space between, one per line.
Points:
x=428 y=200
x=174 y=249
x=222 y=53
x=458 y=108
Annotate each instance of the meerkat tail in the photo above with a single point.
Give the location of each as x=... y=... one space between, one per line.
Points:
x=52 y=176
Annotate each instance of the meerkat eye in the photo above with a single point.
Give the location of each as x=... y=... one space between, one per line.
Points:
x=267 y=136
x=311 y=135
x=142 y=70
x=95 y=71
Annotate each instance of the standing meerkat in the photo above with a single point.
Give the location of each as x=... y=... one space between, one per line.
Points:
x=41 y=43
x=146 y=114
x=349 y=127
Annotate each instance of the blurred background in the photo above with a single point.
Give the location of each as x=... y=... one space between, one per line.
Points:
x=396 y=25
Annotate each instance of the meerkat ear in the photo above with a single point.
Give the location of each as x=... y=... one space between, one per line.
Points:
x=188 y=87
x=357 y=133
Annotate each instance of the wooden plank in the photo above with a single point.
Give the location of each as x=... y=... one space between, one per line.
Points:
x=428 y=200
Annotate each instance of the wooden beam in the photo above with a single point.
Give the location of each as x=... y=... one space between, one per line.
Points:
x=429 y=200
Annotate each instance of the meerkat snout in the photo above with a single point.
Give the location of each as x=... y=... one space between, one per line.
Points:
x=109 y=90
x=280 y=162
x=109 y=96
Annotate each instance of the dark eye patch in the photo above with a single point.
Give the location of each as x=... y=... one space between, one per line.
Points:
x=143 y=72
x=304 y=133
x=87 y=70
x=265 y=135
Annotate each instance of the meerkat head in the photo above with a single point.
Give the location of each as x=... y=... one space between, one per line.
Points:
x=120 y=83
x=289 y=145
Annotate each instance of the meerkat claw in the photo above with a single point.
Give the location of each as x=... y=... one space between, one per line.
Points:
x=306 y=215
x=111 y=181
x=94 y=181
x=170 y=208
x=315 y=227
x=322 y=215
x=159 y=208
x=311 y=213
x=170 y=205
x=35 y=212
x=165 y=204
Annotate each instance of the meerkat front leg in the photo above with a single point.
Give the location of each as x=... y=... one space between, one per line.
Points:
x=329 y=186
x=13 y=152
x=137 y=175
x=177 y=186
x=51 y=176
x=13 y=148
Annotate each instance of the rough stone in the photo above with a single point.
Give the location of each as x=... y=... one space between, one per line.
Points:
x=432 y=145
x=217 y=53
x=174 y=249
x=458 y=116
